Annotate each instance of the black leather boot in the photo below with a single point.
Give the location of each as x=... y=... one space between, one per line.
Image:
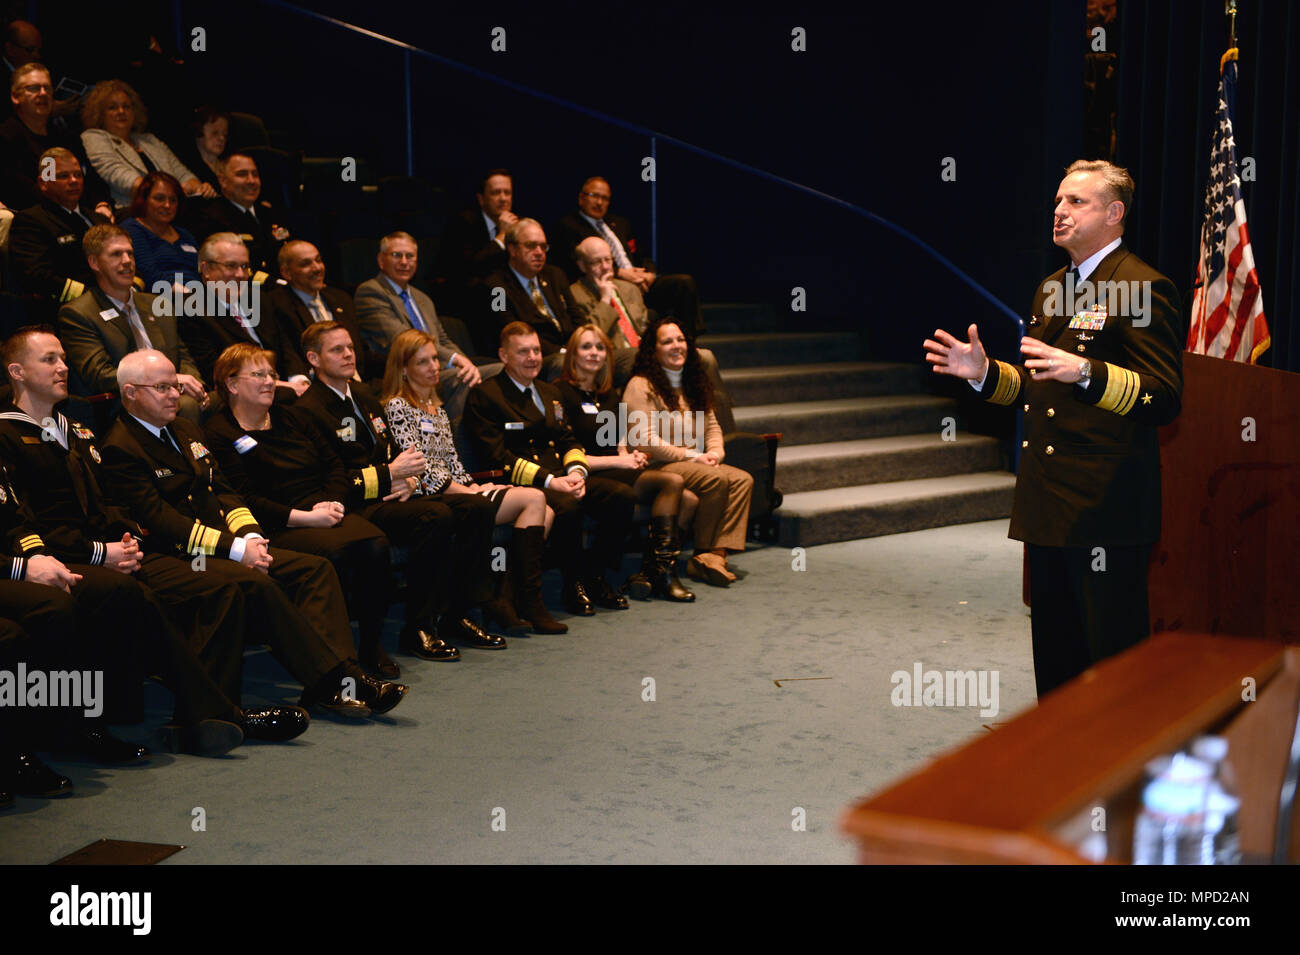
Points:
x=663 y=580
x=499 y=613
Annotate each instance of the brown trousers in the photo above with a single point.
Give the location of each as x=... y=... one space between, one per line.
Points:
x=724 y=492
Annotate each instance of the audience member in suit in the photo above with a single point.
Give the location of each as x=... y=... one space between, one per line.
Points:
x=26 y=134
x=120 y=150
x=156 y=465
x=517 y=423
x=239 y=209
x=112 y=319
x=389 y=304
x=204 y=149
x=164 y=253
x=674 y=295
x=449 y=537
x=234 y=312
x=531 y=292
x=670 y=417
x=473 y=245
x=590 y=406
x=279 y=462
x=45 y=240
x=55 y=466
x=301 y=298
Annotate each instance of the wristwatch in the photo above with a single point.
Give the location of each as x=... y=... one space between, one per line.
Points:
x=1085 y=373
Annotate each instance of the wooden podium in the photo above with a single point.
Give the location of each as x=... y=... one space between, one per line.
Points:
x=1220 y=579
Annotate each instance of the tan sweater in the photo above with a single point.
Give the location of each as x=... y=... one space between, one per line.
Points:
x=667 y=434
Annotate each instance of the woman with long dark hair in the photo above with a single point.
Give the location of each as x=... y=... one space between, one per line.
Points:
x=670 y=415
x=163 y=251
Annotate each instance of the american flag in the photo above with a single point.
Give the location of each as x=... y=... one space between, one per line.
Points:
x=1228 y=308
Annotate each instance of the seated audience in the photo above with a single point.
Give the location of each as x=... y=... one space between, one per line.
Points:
x=113 y=319
x=280 y=464
x=674 y=295
x=418 y=420
x=591 y=407
x=389 y=305
x=473 y=244
x=241 y=210
x=533 y=292
x=163 y=252
x=120 y=150
x=670 y=416
x=204 y=149
x=517 y=423
x=45 y=240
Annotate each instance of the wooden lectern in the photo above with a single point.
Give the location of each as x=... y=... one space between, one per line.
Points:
x=1220 y=580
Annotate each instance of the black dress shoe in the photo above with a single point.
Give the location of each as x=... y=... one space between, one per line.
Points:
x=275 y=724
x=99 y=745
x=603 y=595
x=576 y=600
x=467 y=633
x=206 y=737
x=426 y=646
x=28 y=776
x=379 y=695
x=348 y=706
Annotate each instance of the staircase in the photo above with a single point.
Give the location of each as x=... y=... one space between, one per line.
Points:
x=862 y=452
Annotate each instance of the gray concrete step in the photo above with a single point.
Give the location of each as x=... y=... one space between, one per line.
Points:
x=844 y=419
x=745 y=350
x=816 y=467
x=872 y=510
x=740 y=317
x=812 y=382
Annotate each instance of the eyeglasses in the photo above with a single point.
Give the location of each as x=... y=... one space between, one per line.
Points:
x=400 y=256
x=36 y=88
x=598 y=196
x=162 y=389
x=258 y=375
x=233 y=266
x=606 y=259
x=530 y=246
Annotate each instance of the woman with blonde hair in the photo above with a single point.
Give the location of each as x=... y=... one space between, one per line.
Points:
x=591 y=406
x=670 y=415
x=119 y=148
x=417 y=419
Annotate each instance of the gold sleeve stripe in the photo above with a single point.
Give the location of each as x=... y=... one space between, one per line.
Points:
x=575 y=456
x=71 y=289
x=1008 y=386
x=31 y=542
x=371 y=477
x=523 y=472
x=239 y=517
x=208 y=543
x=260 y=277
x=195 y=531
x=1121 y=392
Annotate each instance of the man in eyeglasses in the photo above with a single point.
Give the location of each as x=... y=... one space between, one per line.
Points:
x=530 y=291
x=113 y=319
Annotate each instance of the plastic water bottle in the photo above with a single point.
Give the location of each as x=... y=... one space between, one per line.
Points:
x=1219 y=845
x=1170 y=828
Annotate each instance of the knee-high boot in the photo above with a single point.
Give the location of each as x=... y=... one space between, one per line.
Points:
x=666 y=549
x=528 y=543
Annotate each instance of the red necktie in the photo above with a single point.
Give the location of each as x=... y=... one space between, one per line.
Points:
x=624 y=323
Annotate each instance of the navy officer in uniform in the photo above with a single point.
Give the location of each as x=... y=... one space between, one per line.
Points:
x=1102 y=371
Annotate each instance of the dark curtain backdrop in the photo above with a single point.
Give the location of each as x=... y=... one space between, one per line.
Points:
x=1168 y=86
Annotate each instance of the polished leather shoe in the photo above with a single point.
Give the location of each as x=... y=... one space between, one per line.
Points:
x=98 y=744
x=349 y=706
x=576 y=600
x=426 y=646
x=28 y=776
x=275 y=724
x=379 y=663
x=380 y=695
x=467 y=633
x=603 y=595
x=204 y=738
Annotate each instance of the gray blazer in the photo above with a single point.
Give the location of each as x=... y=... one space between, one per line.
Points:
x=120 y=166
x=382 y=317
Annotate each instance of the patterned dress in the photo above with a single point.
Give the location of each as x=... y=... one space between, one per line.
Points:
x=412 y=427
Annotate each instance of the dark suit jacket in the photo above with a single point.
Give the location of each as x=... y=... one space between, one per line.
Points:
x=1090 y=461
x=207 y=336
x=263 y=233
x=508 y=432
x=96 y=341
x=291 y=316
x=364 y=444
x=20 y=155
x=554 y=332
x=572 y=229
x=466 y=250
x=181 y=498
x=45 y=251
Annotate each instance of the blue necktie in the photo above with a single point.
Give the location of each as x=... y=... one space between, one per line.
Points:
x=412 y=312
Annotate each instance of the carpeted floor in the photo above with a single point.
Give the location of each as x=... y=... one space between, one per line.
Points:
x=552 y=738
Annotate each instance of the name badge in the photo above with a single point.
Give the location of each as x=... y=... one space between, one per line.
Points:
x=65 y=239
x=186 y=247
x=426 y=427
x=163 y=472
x=244 y=444
x=514 y=426
x=589 y=408
x=108 y=314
